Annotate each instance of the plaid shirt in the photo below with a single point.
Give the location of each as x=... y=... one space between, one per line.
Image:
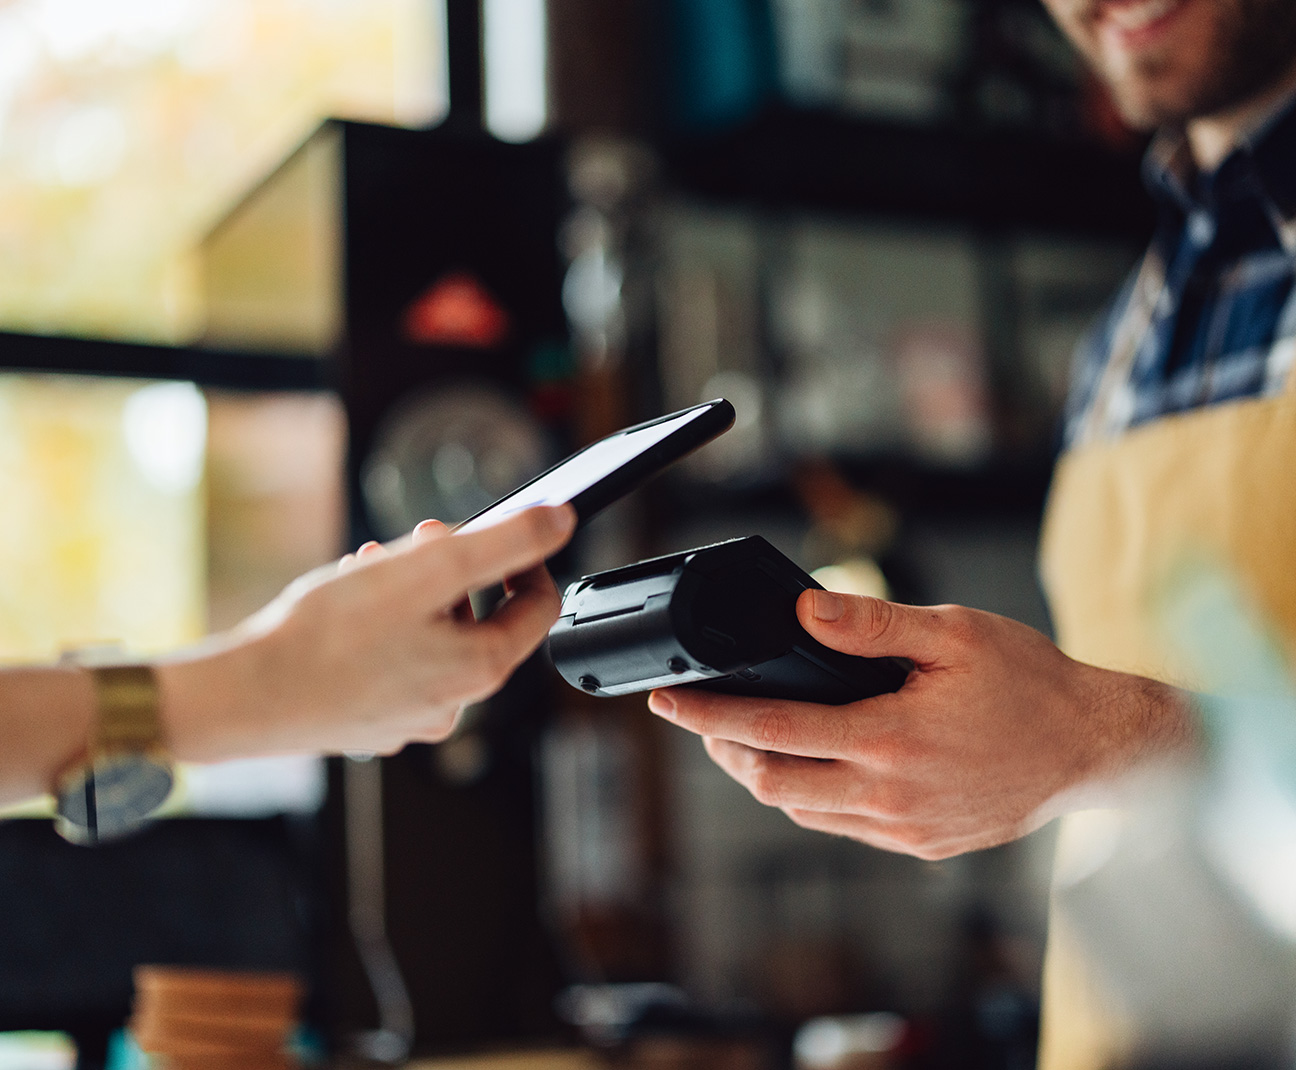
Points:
x=1214 y=298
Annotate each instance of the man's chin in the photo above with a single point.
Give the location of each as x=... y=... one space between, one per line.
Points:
x=1168 y=96
x=1149 y=108
x=1148 y=118
x=1143 y=120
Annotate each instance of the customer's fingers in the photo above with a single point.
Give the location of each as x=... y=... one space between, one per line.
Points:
x=486 y=653
x=438 y=727
x=365 y=555
x=533 y=579
x=451 y=568
x=428 y=531
x=525 y=617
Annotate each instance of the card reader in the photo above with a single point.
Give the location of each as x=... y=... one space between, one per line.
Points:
x=721 y=617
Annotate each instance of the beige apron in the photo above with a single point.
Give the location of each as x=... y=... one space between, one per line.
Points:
x=1214 y=486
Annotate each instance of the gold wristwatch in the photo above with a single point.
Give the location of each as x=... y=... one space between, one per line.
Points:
x=127 y=774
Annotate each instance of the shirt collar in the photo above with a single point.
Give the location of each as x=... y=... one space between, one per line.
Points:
x=1168 y=169
x=1263 y=165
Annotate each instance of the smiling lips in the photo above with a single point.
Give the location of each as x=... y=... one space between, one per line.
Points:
x=1132 y=24
x=1137 y=14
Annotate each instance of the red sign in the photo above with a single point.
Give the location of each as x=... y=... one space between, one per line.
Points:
x=457 y=310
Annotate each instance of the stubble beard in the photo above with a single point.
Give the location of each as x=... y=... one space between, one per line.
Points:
x=1254 y=42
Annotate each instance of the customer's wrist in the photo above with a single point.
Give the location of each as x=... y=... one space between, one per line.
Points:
x=208 y=707
x=69 y=690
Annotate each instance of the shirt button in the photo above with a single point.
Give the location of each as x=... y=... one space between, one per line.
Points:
x=1201 y=228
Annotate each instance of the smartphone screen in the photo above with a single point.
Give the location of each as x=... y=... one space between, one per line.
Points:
x=596 y=476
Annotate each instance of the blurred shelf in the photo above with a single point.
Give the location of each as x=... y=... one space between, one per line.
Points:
x=997 y=488
x=791 y=159
x=230 y=369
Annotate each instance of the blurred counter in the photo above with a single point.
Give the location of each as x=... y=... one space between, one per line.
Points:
x=547 y=1060
x=649 y=1054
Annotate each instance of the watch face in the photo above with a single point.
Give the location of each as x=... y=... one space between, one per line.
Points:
x=127 y=789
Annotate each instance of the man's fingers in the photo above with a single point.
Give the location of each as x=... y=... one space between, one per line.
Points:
x=918 y=840
x=867 y=830
x=874 y=628
x=800 y=728
x=453 y=567
x=785 y=781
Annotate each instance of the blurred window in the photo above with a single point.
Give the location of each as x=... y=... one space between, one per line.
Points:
x=103 y=539
x=515 y=68
x=128 y=127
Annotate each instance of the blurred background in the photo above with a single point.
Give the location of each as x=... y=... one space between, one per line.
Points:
x=279 y=276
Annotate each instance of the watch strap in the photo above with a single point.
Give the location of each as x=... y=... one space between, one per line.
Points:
x=125 y=746
x=127 y=700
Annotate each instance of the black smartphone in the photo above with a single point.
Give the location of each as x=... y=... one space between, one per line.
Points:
x=593 y=478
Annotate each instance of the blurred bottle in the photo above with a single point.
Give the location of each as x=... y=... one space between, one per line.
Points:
x=722 y=58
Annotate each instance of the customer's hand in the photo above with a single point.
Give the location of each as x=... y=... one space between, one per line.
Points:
x=995 y=732
x=373 y=654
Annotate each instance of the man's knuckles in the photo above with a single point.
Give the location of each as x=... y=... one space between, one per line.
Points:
x=883 y=798
x=963 y=628
x=873 y=618
x=896 y=750
x=773 y=729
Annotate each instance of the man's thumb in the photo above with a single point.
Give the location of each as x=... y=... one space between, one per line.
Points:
x=868 y=627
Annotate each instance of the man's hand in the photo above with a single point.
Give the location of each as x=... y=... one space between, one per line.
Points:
x=375 y=653
x=995 y=732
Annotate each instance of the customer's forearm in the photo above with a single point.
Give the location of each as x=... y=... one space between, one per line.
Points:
x=45 y=716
